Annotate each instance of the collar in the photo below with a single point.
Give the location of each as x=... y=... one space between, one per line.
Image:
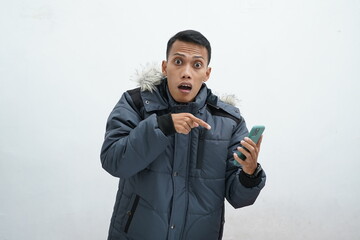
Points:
x=161 y=99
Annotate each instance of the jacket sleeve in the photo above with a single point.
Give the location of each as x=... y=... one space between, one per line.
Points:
x=237 y=194
x=131 y=143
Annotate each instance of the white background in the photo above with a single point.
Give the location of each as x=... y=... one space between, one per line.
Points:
x=293 y=64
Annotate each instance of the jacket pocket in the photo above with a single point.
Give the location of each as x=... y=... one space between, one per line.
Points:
x=200 y=149
x=200 y=154
x=144 y=222
x=131 y=211
x=204 y=227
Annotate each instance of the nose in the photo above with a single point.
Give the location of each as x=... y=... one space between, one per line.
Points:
x=186 y=74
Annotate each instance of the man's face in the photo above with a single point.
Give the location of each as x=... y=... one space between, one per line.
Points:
x=186 y=69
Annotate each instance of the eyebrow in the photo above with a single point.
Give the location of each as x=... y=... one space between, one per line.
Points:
x=183 y=55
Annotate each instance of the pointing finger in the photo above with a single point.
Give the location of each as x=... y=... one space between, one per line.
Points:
x=200 y=122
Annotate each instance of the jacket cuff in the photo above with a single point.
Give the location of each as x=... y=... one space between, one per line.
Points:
x=166 y=124
x=249 y=182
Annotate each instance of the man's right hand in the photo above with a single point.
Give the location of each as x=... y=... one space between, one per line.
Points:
x=184 y=122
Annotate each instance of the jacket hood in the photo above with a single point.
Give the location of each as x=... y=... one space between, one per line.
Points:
x=150 y=75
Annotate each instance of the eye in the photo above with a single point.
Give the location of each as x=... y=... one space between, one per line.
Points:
x=178 y=61
x=198 y=65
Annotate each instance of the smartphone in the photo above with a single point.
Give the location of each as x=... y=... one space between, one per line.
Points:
x=254 y=135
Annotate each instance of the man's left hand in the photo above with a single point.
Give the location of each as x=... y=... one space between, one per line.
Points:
x=249 y=165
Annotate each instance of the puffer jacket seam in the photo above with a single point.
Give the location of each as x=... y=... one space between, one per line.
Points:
x=207 y=214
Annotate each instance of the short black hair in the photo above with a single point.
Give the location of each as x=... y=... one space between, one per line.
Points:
x=190 y=36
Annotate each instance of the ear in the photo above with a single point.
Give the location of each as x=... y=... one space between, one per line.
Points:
x=207 y=74
x=164 y=67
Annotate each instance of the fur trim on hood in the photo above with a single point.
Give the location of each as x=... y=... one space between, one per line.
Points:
x=150 y=75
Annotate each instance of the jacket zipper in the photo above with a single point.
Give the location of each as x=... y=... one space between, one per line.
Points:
x=131 y=213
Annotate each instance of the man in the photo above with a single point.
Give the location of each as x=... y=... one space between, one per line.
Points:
x=172 y=143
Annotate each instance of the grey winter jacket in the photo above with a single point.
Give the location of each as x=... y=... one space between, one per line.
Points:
x=173 y=186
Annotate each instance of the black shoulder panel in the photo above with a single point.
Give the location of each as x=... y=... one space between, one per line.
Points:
x=222 y=113
x=136 y=97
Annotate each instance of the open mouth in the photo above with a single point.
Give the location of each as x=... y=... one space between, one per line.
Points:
x=186 y=87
